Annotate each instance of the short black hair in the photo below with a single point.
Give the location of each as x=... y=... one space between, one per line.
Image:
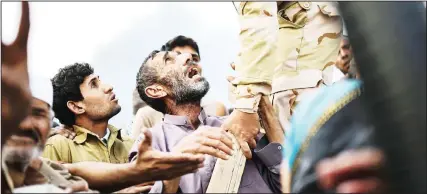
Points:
x=66 y=87
x=148 y=76
x=180 y=41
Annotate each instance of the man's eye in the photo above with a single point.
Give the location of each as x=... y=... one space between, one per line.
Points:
x=38 y=113
x=169 y=59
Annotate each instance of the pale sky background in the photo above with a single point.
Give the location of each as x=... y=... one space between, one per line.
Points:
x=115 y=37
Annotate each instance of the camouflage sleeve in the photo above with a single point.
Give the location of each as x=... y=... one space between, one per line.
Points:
x=258 y=56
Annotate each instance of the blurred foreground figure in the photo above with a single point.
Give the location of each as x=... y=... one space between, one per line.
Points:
x=15 y=92
x=338 y=125
x=340 y=131
x=20 y=154
x=394 y=91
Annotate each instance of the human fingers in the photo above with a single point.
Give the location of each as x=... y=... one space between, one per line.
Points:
x=348 y=164
x=221 y=135
x=245 y=148
x=216 y=144
x=202 y=149
x=179 y=158
x=366 y=185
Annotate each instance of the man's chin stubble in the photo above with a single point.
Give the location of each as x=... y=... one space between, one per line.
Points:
x=116 y=111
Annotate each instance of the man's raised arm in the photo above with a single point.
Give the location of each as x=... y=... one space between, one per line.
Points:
x=255 y=68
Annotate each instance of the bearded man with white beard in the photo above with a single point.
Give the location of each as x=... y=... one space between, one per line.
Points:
x=20 y=154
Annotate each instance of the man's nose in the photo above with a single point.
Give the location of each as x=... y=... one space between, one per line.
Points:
x=344 y=53
x=26 y=124
x=186 y=58
x=108 y=88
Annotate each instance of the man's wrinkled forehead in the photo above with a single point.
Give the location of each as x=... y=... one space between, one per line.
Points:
x=159 y=59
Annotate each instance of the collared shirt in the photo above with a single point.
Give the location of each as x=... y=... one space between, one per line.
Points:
x=106 y=136
x=87 y=146
x=261 y=174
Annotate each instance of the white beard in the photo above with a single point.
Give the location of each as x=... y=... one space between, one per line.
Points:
x=19 y=158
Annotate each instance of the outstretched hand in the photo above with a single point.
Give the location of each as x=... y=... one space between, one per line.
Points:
x=164 y=165
x=207 y=140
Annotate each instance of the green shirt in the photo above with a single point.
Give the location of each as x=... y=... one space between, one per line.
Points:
x=87 y=146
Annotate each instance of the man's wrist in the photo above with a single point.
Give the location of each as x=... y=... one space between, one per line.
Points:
x=133 y=171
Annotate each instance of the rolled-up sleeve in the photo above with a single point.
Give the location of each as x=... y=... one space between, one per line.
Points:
x=268 y=160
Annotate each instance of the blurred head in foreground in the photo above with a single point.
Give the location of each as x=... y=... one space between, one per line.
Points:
x=28 y=142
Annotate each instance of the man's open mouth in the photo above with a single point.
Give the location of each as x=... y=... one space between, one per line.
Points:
x=192 y=72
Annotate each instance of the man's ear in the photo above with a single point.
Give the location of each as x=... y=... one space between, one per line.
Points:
x=76 y=107
x=155 y=91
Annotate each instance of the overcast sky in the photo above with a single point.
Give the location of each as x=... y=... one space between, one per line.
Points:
x=115 y=37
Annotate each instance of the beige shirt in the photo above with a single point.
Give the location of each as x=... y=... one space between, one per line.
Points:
x=87 y=146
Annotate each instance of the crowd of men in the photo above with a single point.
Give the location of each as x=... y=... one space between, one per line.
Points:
x=176 y=137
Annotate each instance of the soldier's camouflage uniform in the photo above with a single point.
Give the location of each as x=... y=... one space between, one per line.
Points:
x=285 y=48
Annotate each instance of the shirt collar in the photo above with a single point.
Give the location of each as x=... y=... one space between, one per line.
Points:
x=183 y=120
x=81 y=133
x=106 y=136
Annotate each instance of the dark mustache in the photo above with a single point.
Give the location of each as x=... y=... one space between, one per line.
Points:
x=30 y=133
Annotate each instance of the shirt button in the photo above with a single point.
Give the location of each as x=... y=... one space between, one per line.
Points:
x=279 y=147
x=306 y=5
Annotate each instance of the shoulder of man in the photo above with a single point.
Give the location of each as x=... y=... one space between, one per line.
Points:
x=57 y=148
x=58 y=139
